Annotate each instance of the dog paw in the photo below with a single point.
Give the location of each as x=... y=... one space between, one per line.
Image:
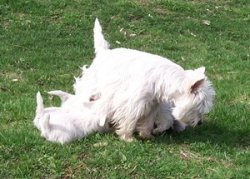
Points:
x=127 y=138
x=145 y=135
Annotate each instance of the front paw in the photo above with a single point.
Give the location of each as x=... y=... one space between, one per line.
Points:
x=127 y=138
x=145 y=135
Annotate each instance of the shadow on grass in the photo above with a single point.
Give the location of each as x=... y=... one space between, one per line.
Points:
x=209 y=132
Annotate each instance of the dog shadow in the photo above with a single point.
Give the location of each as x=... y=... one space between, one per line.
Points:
x=207 y=133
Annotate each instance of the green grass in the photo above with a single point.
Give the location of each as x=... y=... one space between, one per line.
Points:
x=42 y=45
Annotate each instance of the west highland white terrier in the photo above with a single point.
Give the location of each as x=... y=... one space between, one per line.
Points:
x=136 y=84
x=66 y=123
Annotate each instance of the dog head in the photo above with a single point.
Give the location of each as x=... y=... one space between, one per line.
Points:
x=196 y=98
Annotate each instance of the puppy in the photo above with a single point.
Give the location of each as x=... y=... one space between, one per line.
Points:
x=135 y=85
x=63 y=125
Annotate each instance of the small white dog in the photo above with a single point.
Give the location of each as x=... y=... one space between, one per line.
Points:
x=66 y=123
x=136 y=84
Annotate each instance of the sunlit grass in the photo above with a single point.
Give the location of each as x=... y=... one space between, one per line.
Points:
x=43 y=44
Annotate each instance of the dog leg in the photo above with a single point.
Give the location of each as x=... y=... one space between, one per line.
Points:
x=146 y=125
x=125 y=131
x=164 y=121
x=127 y=137
x=146 y=128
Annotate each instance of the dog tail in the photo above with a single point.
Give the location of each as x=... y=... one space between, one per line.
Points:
x=61 y=94
x=39 y=103
x=99 y=42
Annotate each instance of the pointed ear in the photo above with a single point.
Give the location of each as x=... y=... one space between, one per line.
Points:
x=196 y=79
x=200 y=78
x=61 y=94
x=200 y=70
x=196 y=86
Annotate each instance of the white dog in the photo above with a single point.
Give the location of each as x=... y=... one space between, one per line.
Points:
x=135 y=85
x=66 y=123
x=163 y=120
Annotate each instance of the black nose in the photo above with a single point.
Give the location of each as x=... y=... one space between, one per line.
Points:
x=200 y=122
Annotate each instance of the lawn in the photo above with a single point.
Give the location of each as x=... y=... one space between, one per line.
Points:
x=44 y=42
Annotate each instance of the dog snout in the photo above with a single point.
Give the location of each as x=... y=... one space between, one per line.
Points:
x=199 y=123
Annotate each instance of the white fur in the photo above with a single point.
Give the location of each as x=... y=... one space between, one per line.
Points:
x=64 y=124
x=135 y=83
x=163 y=119
x=99 y=42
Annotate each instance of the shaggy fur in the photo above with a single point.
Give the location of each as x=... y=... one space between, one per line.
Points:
x=64 y=124
x=135 y=85
x=163 y=119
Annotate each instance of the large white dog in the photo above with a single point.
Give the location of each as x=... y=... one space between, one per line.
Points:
x=134 y=84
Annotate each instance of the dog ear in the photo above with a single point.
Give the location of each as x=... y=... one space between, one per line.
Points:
x=64 y=96
x=94 y=97
x=196 y=86
x=39 y=103
x=200 y=70
x=198 y=79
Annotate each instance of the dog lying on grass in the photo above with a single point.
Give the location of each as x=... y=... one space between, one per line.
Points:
x=73 y=120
